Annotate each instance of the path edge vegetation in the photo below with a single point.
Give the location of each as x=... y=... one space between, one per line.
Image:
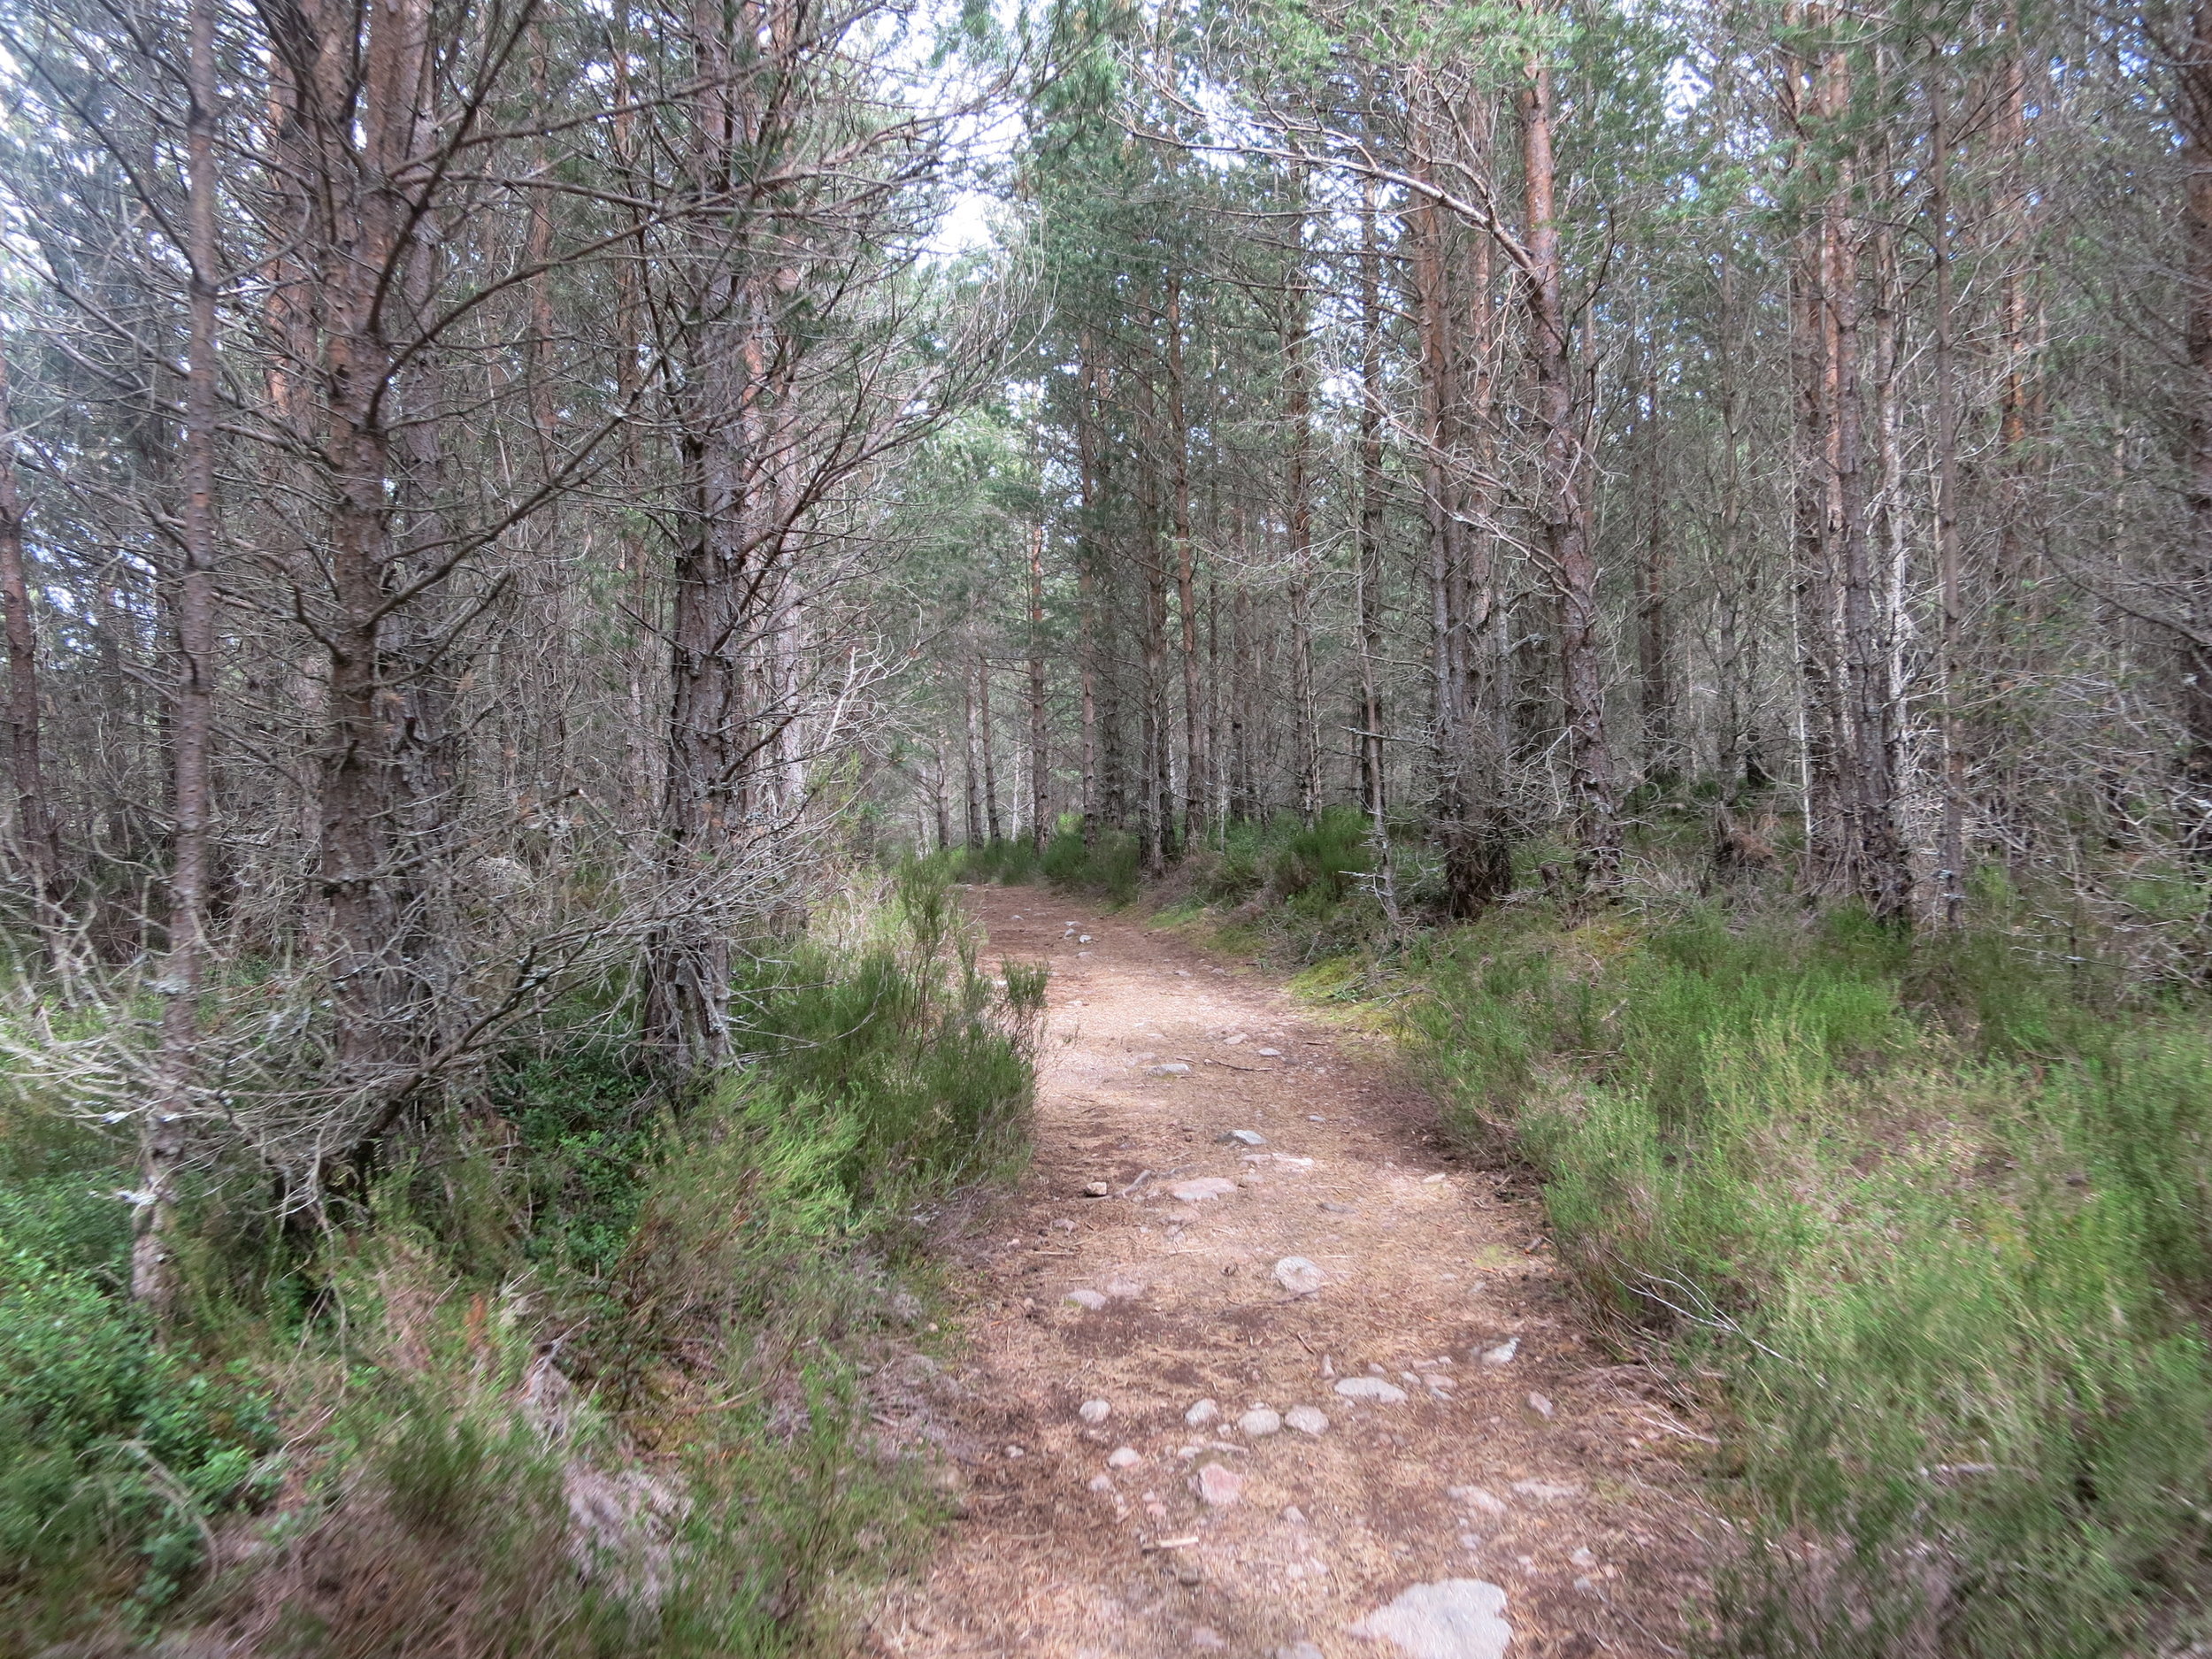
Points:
x=1919 y=1227
x=584 y=1373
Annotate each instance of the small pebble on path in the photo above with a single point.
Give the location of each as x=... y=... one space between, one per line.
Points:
x=1199 y=1191
x=1298 y=1276
x=1371 y=1388
x=1220 y=1486
x=1455 y=1618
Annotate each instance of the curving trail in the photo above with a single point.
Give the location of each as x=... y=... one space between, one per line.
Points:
x=1562 y=1480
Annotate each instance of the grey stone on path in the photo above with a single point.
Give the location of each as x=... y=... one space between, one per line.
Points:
x=1125 y=1458
x=1095 y=1411
x=1299 y=1276
x=1340 y=1209
x=1501 y=1355
x=1249 y=1137
x=1173 y=1068
x=1547 y=1491
x=1220 y=1486
x=1199 y=1190
x=1373 y=1388
x=1478 y=1498
x=1098 y=1189
x=1260 y=1421
x=1200 y=1636
x=1298 y=1650
x=1306 y=1419
x=1541 y=1405
x=1200 y=1414
x=1453 y=1618
x=1272 y=1053
x=1089 y=1299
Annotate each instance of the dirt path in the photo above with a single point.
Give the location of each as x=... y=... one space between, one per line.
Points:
x=1515 y=1455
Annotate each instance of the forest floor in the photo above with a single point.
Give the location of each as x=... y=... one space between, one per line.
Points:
x=1516 y=1455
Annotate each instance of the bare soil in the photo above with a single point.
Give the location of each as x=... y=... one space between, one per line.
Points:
x=1594 y=1528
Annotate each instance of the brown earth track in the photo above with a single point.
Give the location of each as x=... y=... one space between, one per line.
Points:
x=1418 y=1269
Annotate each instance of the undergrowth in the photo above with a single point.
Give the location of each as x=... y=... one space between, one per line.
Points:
x=585 y=1377
x=1931 y=1217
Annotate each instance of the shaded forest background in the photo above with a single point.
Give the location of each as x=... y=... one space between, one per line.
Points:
x=513 y=518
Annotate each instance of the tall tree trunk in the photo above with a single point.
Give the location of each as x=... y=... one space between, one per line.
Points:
x=1196 y=760
x=1655 y=669
x=1040 y=736
x=717 y=582
x=1951 y=832
x=1566 y=531
x=1808 y=89
x=1367 y=568
x=37 y=843
x=1244 y=802
x=971 y=772
x=1879 y=867
x=1297 y=414
x=1157 y=790
x=2194 y=75
x=162 y=1142
x=1456 y=337
x=1090 y=614
x=992 y=826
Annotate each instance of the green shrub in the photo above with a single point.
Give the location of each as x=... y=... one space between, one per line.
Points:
x=1010 y=863
x=586 y=1117
x=1318 y=863
x=1949 y=1296
x=600 y=1262
x=1108 y=866
x=115 y=1457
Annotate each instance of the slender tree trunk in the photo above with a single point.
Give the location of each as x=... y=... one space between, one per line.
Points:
x=1879 y=870
x=1196 y=761
x=37 y=844
x=1155 y=789
x=1040 y=736
x=1367 y=566
x=1297 y=412
x=1566 y=531
x=2194 y=75
x=1243 y=804
x=991 y=824
x=1655 y=669
x=164 y=1136
x=1088 y=610
x=972 y=771
x=1951 y=833
x=1824 y=753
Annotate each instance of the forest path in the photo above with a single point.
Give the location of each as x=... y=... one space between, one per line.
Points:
x=1549 y=1473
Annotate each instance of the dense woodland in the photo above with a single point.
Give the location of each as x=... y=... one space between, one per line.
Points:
x=512 y=516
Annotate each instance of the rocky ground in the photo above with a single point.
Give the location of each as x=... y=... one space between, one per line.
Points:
x=1250 y=1365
